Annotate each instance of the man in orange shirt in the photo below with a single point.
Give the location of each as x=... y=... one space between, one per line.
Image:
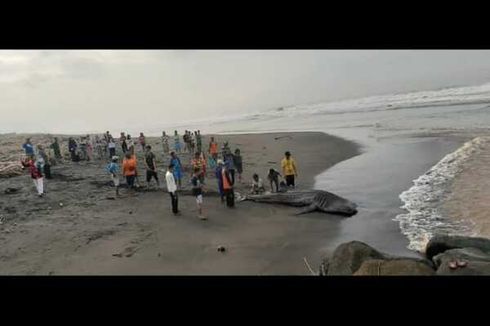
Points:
x=129 y=169
x=199 y=163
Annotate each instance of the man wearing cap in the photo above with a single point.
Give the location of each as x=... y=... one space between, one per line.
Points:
x=289 y=169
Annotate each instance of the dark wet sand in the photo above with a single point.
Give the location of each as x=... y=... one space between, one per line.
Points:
x=92 y=235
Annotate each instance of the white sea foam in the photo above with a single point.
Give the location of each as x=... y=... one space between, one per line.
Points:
x=423 y=218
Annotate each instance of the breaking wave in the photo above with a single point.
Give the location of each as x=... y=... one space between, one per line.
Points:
x=422 y=201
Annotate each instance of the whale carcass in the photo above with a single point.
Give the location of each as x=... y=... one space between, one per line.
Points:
x=312 y=200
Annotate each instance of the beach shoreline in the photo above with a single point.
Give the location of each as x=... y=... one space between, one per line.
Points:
x=137 y=235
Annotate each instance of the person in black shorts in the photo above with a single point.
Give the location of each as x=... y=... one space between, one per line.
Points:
x=151 y=167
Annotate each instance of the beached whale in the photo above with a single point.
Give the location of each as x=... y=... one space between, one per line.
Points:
x=312 y=200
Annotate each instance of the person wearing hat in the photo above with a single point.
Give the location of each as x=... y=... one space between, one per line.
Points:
x=289 y=169
x=113 y=169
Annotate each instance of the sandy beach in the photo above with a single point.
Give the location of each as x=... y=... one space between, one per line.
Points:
x=91 y=234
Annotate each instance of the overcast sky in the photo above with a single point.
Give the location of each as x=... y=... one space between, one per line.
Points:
x=81 y=91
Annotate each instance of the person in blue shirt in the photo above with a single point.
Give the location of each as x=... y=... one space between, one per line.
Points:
x=113 y=169
x=175 y=161
x=29 y=148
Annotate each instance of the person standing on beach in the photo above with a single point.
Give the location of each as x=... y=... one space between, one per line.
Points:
x=151 y=167
x=72 y=148
x=142 y=140
x=130 y=142
x=124 y=145
x=213 y=149
x=42 y=161
x=56 y=149
x=113 y=169
x=230 y=165
x=219 y=178
x=289 y=169
x=28 y=148
x=199 y=141
x=166 y=148
x=273 y=177
x=129 y=169
x=237 y=160
x=99 y=147
x=228 y=187
x=112 y=147
x=90 y=148
x=185 y=139
x=36 y=176
x=198 y=163
x=177 y=142
x=197 y=191
x=177 y=168
x=172 y=189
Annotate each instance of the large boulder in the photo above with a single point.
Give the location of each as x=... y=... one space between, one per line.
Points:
x=348 y=257
x=395 y=267
x=466 y=254
x=440 y=243
x=472 y=268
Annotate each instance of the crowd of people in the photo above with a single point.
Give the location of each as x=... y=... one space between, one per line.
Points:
x=224 y=165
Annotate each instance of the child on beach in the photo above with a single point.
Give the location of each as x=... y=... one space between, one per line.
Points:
x=199 y=163
x=172 y=189
x=177 y=142
x=175 y=161
x=273 y=178
x=289 y=169
x=197 y=191
x=36 y=175
x=257 y=185
x=113 y=169
x=129 y=169
x=237 y=160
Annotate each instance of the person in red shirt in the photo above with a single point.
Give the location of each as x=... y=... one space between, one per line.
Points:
x=36 y=175
x=228 y=187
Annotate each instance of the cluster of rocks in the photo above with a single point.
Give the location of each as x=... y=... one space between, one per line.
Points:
x=357 y=258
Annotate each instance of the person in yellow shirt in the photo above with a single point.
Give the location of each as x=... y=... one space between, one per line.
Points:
x=289 y=169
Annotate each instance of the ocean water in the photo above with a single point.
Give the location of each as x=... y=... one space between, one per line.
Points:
x=414 y=146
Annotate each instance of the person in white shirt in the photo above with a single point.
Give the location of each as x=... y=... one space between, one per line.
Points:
x=172 y=189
